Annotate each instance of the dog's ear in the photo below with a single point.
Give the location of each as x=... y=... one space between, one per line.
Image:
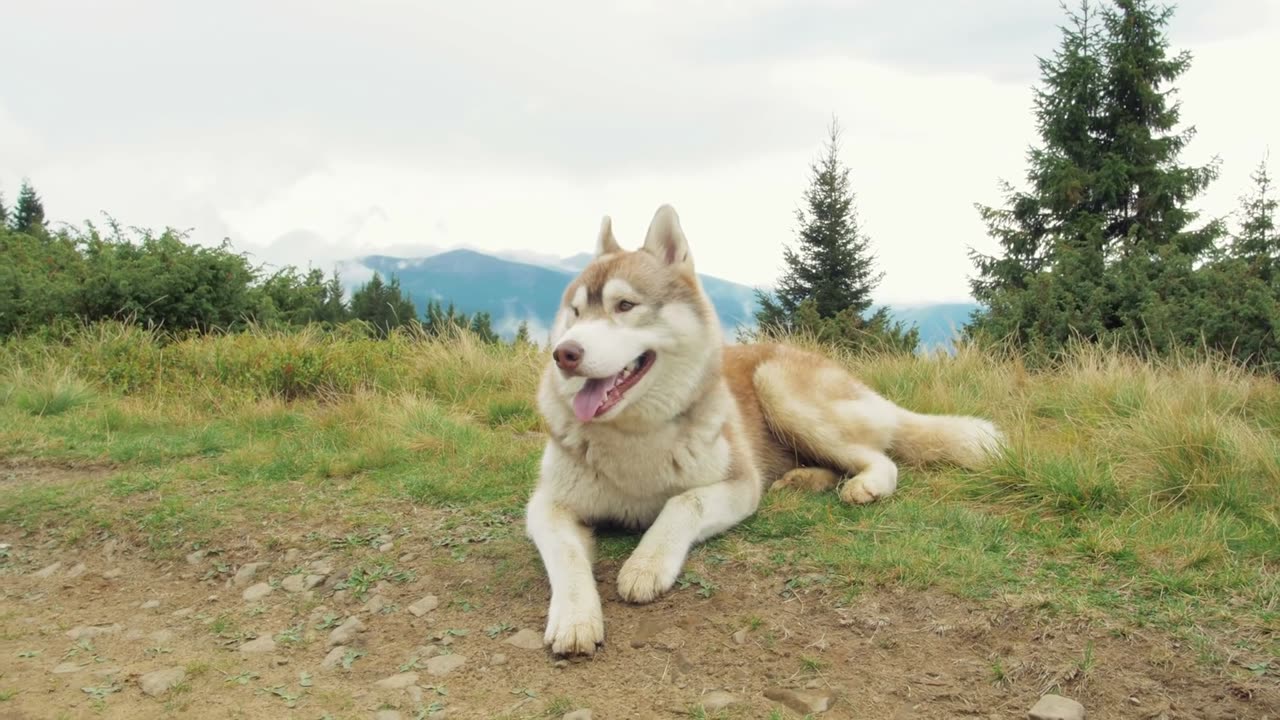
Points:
x=606 y=243
x=665 y=239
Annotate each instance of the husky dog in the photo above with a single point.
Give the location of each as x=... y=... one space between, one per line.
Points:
x=655 y=424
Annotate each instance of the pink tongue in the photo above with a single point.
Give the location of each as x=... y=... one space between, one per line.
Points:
x=590 y=398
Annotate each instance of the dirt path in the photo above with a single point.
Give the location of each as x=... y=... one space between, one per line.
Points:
x=85 y=629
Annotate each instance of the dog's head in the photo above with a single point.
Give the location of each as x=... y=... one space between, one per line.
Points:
x=635 y=334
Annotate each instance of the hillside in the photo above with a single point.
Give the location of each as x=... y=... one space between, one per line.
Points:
x=512 y=291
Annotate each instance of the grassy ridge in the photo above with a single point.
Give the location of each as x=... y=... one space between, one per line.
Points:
x=1132 y=491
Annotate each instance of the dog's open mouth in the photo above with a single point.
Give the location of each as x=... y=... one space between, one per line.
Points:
x=600 y=395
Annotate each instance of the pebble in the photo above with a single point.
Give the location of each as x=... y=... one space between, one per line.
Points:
x=424 y=606
x=526 y=640
x=561 y=664
x=48 y=570
x=1056 y=707
x=256 y=592
x=150 y=605
x=259 y=645
x=292 y=555
x=244 y=576
x=408 y=557
x=346 y=632
x=415 y=694
x=81 y=632
x=162 y=637
x=801 y=702
x=77 y=570
x=497 y=659
x=112 y=574
x=718 y=700
x=160 y=682
x=740 y=637
x=442 y=665
x=334 y=658
x=194 y=558
x=294 y=583
x=375 y=604
x=386 y=547
x=322 y=567
x=397 y=682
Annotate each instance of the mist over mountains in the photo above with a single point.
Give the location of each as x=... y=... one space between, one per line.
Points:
x=520 y=287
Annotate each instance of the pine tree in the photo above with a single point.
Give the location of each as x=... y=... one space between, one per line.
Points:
x=1100 y=246
x=482 y=327
x=383 y=305
x=833 y=265
x=522 y=334
x=28 y=213
x=4 y=214
x=1257 y=242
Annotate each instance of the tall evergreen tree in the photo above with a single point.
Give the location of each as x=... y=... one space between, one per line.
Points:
x=4 y=213
x=28 y=213
x=1257 y=242
x=1100 y=245
x=383 y=305
x=832 y=266
x=522 y=334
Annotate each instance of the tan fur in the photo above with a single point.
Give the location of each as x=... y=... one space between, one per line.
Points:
x=690 y=448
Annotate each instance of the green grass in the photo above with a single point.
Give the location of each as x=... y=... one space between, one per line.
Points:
x=1144 y=492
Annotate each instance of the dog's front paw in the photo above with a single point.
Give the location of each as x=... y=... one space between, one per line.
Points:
x=643 y=579
x=574 y=630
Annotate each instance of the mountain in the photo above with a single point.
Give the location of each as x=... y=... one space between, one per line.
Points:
x=512 y=292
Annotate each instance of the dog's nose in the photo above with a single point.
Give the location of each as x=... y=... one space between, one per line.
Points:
x=568 y=355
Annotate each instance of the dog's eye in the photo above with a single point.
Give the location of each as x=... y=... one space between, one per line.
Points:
x=625 y=305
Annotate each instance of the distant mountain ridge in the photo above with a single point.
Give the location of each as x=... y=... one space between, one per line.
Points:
x=512 y=292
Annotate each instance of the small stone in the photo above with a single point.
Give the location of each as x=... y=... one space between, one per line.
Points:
x=184 y=612
x=76 y=570
x=385 y=538
x=802 y=702
x=526 y=640
x=256 y=592
x=294 y=584
x=375 y=604
x=322 y=567
x=497 y=659
x=583 y=714
x=311 y=581
x=65 y=668
x=244 y=576
x=161 y=681
x=387 y=715
x=397 y=682
x=112 y=574
x=213 y=598
x=346 y=632
x=280 y=661
x=718 y=700
x=259 y=645
x=334 y=658
x=162 y=637
x=561 y=664
x=1056 y=707
x=82 y=632
x=740 y=637
x=194 y=558
x=292 y=555
x=415 y=694
x=408 y=558
x=48 y=570
x=442 y=665
x=813 y=684
x=150 y=605
x=424 y=606
x=386 y=547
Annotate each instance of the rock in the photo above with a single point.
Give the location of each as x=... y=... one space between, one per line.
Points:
x=497 y=659
x=397 y=682
x=322 y=567
x=112 y=574
x=259 y=645
x=161 y=681
x=718 y=700
x=294 y=583
x=385 y=538
x=442 y=665
x=800 y=701
x=375 y=604
x=740 y=637
x=387 y=715
x=162 y=637
x=82 y=632
x=561 y=664
x=346 y=632
x=415 y=694
x=312 y=581
x=526 y=640
x=76 y=570
x=184 y=612
x=292 y=555
x=386 y=547
x=65 y=668
x=334 y=658
x=1056 y=707
x=408 y=558
x=424 y=606
x=194 y=558
x=244 y=576
x=150 y=605
x=48 y=570
x=256 y=592
x=583 y=714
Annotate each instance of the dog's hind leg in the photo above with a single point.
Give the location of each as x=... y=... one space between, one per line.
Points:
x=686 y=519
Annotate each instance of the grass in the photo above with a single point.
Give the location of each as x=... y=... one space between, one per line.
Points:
x=1140 y=491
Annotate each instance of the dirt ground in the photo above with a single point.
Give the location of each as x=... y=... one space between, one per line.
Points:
x=81 y=629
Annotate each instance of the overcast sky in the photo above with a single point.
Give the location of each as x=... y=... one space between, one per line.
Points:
x=312 y=130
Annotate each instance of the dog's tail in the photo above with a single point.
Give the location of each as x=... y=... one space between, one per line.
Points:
x=966 y=441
